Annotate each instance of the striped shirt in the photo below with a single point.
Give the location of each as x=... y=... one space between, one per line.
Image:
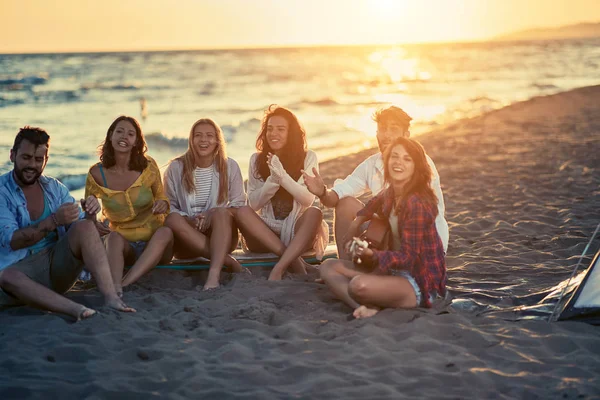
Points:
x=202 y=183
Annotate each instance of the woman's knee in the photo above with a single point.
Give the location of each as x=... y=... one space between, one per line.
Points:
x=164 y=234
x=244 y=211
x=173 y=220
x=328 y=268
x=115 y=241
x=358 y=287
x=314 y=212
x=221 y=214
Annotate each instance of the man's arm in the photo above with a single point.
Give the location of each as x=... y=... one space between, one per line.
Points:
x=65 y=214
x=32 y=234
x=316 y=186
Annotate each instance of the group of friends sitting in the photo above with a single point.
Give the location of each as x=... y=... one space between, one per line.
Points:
x=200 y=206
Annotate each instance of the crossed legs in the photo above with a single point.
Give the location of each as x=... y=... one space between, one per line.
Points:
x=366 y=293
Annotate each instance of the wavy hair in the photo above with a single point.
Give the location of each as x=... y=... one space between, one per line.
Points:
x=292 y=154
x=138 y=160
x=188 y=159
x=420 y=182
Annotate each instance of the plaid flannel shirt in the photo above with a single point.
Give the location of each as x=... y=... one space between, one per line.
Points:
x=421 y=252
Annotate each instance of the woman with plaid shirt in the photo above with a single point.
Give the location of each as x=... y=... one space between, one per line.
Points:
x=413 y=272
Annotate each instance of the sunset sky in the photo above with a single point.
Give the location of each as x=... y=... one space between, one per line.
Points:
x=86 y=25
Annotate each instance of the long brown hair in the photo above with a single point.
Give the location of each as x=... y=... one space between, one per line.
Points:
x=138 y=160
x=294 y=152
x=189 y=161
x=420 y=181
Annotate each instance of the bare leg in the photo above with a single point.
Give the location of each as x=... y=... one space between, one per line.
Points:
x=305 y=232
x=190 y=243
x=261 y=239
x=158 y=249
x=118 y=250
x=337 y=275
x=222 y=226
x=344 y=214
x=85 y=243
x=32 y=293
x=374 y=292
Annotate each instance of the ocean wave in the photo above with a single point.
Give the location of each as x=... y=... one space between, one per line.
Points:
x=157 y=139
x=73 y=182
x=25 y=80
x=111 y=86
x=56 y=95
x=4 y=102
x=325 y=101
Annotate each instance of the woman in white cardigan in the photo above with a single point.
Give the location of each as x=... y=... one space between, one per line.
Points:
x=203 y=186
x=286 y=224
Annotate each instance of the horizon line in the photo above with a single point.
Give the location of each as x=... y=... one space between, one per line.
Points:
x=257 y=47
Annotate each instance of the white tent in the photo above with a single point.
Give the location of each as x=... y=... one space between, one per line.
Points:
x=584 y=303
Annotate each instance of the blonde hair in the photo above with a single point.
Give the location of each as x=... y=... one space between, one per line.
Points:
x=189 y=161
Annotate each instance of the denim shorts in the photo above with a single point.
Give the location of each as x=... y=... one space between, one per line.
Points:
x=418 y=294
x=138 y=248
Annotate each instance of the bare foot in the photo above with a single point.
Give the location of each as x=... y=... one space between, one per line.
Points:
x=117 y=304
x=119 y=290
x=365 y=312
x=208 y=287
x=212 y=282
x=85 y=313
x=320 y=280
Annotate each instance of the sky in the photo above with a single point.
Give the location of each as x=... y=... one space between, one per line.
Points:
x=28 y=26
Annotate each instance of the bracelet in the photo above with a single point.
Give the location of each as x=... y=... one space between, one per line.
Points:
x=53 y=216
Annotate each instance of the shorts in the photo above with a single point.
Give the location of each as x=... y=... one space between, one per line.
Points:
x=54 y=267
x=418 y=293
x=138 y=248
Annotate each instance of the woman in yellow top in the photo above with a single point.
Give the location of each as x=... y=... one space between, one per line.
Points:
x=133 y=201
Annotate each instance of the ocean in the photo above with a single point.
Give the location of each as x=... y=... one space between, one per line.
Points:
x=333 y=90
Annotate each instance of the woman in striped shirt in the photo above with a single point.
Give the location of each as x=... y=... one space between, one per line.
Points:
x=203 y=186
x=286 y=224
x=413 y=272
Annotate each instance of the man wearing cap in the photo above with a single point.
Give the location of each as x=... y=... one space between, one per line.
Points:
x=392 y=122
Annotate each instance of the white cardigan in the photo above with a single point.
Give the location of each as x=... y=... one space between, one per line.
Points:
x=181 y=201
x=260 y=193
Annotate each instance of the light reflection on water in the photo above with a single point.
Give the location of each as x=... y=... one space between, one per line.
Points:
x=334 y=91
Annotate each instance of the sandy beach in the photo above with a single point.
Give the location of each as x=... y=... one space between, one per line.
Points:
x=521 y=186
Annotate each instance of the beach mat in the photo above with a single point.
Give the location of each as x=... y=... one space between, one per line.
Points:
x=247 y=260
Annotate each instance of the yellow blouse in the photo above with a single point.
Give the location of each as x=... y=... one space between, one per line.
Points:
x=130 y=211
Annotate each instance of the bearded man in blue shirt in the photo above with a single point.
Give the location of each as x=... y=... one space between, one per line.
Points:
x=45 y=238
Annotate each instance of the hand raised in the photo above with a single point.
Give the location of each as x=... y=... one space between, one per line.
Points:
x=67 y=213
x=315 y=183
x=275 y=166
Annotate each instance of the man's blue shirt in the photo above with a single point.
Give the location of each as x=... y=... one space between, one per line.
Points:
x=14 y=214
